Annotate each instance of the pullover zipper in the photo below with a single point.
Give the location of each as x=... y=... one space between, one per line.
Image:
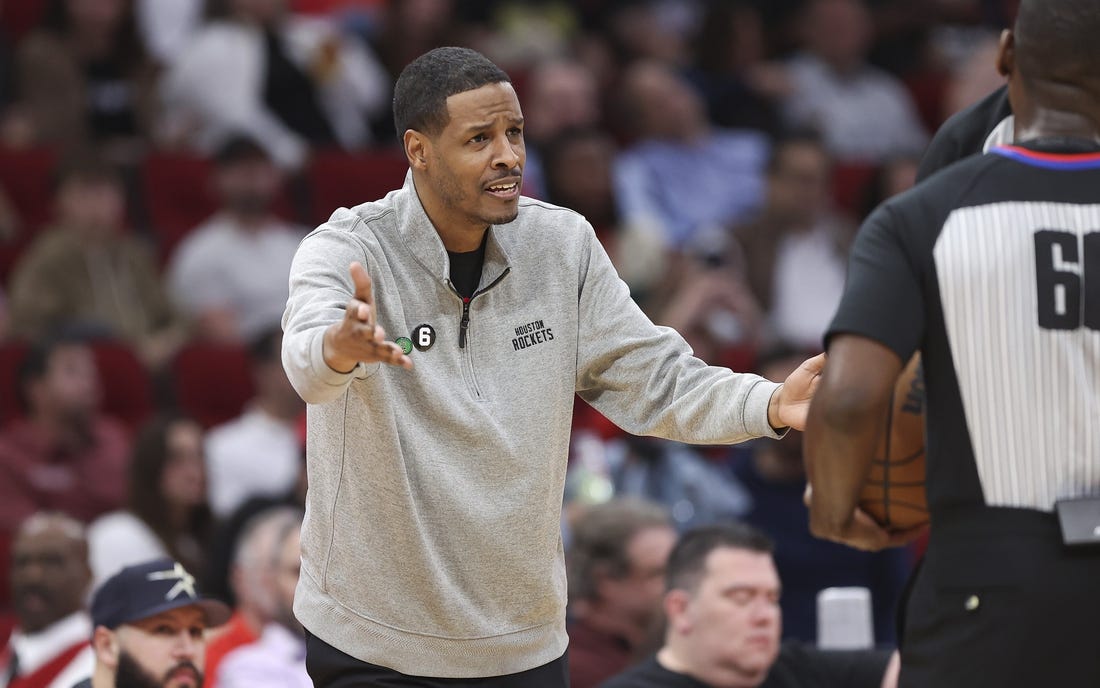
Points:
x=464 y=323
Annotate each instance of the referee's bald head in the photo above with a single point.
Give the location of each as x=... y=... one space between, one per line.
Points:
x=1059 y=41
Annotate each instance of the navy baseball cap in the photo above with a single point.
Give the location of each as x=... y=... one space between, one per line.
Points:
x=143 y=590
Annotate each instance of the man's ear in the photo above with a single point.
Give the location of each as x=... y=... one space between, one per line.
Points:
x=1006 y=53
x=106 y=647
x=676 y=604
x=417 y=149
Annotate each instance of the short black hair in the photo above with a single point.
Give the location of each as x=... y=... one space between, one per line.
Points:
x=420 y=96
x=689 y=557
x=237 y=148
x=804 y=136
x=36 y=360
x=265 y=347
x=1056 y=41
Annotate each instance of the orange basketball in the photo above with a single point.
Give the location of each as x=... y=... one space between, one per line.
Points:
x=894 y=492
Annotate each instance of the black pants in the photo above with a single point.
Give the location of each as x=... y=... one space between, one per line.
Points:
x=331 y=668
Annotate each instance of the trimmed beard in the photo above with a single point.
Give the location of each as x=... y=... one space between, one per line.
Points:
x=130 y=674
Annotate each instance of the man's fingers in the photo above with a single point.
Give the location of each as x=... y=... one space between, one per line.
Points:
x=814 y=365
x=361 y=282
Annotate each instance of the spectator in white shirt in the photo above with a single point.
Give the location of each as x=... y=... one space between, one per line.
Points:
x=259 y=453
x=230 y=274
x=865 y=114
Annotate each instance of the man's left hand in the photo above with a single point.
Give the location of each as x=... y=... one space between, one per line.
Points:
x=791 y=401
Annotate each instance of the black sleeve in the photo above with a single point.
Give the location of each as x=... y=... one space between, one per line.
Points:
x=964 y=133
x=882 y=297
x=836 y=668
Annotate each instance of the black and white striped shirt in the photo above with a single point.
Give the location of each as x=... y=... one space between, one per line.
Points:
x=992 y=270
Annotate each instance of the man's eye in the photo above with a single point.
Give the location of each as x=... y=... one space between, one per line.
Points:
x=478 y=138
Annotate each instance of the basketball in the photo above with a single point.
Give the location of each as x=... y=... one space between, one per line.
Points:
x=894 y=492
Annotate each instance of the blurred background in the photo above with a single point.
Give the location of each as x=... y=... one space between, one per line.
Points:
x=161 y=159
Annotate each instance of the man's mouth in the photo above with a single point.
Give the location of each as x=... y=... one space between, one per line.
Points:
x=504 y=189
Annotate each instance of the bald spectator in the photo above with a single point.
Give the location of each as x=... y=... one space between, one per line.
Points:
x=64 y=454
x=865 y=114
x=254 y=579
x=50 y=579
x=616 y=565
x=277 y=659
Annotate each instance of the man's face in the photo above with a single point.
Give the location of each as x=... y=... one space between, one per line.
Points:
x=475 y=163
x=70 y=385
x=49 y=577
x=799 y=185
x=163 y=651
x=249 y=186
x=732 y=621
x=637 y=595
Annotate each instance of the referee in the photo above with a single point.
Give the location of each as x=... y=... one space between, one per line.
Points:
x=991 y=269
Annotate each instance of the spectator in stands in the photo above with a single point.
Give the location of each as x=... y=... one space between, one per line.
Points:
x=254 y=578
x=230 y=274
x=616 y=566
x=729 y=70
x=278 y=658
x=865 y=114
x=258 y=454
x=167 y=26
x=794 y=252
x=561 y=95
x=683 y=177
x=891 y=178
x=166 y=514
x=722 y=604
x=577 y=175
x=50 y=580
x=82 y=79
x=63 y=454
x=150 y=628
x=88 y=271
x=774 y=475
x=289 y=82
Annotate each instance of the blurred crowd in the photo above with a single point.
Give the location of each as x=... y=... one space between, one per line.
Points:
x=161 y=159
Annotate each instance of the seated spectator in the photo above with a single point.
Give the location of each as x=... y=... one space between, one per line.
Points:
x=722 y=604
x=167 y=514
x=577 y=175
x=865 y=114
x=230 y=274
x=278 y=658
x=561 y=95
x=150 y=628
x=729 y=70
x=259 y=453
x=288 y=82
x=50 y=580
x=794 y=253
x=88 y=271
x=63 y=455
x=254 y=579
x=616 y=566
x=774 y=474
x=83 y=80
x=682 y=177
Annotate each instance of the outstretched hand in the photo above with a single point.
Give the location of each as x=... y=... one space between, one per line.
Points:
x=357 y=337
x=790 y=403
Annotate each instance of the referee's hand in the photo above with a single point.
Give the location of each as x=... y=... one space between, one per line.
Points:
x=358 y=337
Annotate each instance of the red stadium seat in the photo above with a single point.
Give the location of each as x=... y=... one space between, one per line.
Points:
x=26 y=176
x=337 y=179
x=127 y=385
x=179 y=196
x=18 y=17
x=213 y=382
x=850 y=182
